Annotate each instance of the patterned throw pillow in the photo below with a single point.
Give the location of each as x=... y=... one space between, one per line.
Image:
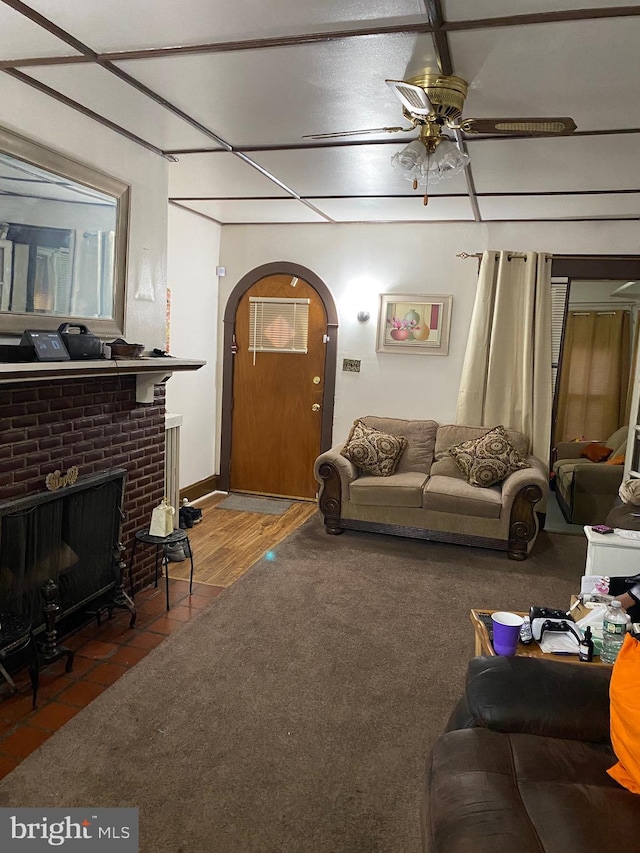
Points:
x=489 y=459
x=372 y=450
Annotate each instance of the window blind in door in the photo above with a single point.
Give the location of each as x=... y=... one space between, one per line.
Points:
x=278 y=324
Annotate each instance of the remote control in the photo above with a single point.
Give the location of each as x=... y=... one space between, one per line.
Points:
x=525 y=632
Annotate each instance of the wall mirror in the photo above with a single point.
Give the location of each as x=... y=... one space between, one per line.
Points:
x=63 y=241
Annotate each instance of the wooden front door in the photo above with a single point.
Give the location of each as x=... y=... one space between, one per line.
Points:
x=277 y=396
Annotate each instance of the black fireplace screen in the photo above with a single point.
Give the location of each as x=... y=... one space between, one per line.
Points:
x=68 y=536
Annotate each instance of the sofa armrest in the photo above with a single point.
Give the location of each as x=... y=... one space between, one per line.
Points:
x=540 y=697
x=535 y=475
x=347 y=471
x=598 y=478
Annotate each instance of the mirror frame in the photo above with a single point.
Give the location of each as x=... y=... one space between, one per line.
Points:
x=46 y=158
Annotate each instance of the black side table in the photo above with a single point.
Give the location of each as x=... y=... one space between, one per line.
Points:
x=161 y=543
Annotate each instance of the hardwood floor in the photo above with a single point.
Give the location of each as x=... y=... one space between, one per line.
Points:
x=226 y=543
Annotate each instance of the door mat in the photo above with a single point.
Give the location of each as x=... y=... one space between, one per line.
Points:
x=249 y=503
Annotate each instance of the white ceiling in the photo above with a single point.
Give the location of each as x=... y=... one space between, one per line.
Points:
x=226 y=89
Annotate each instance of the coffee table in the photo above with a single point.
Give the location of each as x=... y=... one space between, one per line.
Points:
x=532 y=650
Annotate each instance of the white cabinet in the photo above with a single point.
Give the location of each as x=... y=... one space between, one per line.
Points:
x=611 y=555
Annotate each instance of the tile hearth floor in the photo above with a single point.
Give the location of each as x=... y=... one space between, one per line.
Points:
x=102 y=655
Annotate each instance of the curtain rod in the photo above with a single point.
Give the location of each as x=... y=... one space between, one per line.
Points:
x=465 y=255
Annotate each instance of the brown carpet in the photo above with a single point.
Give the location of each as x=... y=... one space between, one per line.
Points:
x=295 y=714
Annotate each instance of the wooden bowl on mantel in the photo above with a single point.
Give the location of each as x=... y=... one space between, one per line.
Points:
x=121 y=350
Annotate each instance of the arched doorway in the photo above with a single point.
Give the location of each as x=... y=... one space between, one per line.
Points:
x=277 y=401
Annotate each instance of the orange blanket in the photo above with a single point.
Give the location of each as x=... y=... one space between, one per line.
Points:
x=624 y=694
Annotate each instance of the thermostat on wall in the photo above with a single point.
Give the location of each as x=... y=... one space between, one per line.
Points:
x=48 y=346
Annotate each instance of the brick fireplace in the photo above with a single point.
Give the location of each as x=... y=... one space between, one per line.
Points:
x=94 y=423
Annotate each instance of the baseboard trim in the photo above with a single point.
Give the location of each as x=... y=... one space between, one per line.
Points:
x=197 y=490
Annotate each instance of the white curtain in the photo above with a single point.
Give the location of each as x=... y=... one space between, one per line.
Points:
x=506 y=377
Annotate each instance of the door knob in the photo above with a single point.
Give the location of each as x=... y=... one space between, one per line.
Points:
x=315 y=407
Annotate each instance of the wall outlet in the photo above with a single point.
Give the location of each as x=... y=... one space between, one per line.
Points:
x=351 y=365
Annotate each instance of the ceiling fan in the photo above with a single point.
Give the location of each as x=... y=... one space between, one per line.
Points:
x=434 y=104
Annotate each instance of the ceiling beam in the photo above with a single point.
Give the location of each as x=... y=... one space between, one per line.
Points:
x=195 y=212
x=401 y=222
x=568 y=16
x=86 y=55
x=76 y=59
x=263 y=43
x=417 y=194
x=433 y=9
x=468 y=175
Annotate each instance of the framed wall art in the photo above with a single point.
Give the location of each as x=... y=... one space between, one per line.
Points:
x=410 y=322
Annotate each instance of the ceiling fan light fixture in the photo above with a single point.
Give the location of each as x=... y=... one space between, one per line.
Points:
x=409 y=160
x=429 y=164
x=451 y=161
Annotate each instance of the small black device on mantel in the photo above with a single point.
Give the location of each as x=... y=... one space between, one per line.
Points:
x=48 y=346
x=82 y=343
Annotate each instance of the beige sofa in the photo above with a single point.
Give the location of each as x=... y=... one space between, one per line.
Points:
x=428 y=497
x=586 y=490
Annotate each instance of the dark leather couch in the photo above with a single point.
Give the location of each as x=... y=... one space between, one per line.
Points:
x=522 y=765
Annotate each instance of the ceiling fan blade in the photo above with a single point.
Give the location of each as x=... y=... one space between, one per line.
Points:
x=552 y=126
x=358 y=132
x=413 y=98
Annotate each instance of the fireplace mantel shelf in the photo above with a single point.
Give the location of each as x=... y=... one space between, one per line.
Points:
x=148 y=371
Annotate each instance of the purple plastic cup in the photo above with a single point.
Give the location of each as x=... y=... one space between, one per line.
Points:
x=506 y=632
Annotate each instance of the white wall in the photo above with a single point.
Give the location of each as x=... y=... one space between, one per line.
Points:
x=45 y=120
x=193 y=249
x=357 y=262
